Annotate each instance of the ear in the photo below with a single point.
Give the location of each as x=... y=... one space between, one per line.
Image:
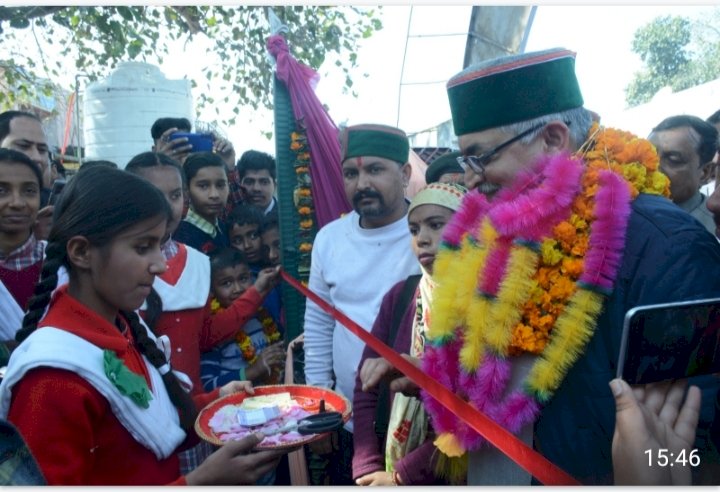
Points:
x=707 y=173
x=406 y=171
x=556 y=136
x=78 y=252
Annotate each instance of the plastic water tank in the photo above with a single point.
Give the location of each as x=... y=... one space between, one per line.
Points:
x=119 y=110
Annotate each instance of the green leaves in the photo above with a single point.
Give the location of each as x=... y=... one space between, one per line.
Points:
x=95 y=39
x=677 y=53
x=19 y=23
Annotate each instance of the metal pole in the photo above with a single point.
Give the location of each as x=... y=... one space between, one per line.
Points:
x=77 y=117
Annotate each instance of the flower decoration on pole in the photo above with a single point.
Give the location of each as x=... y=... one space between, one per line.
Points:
x=303 y=200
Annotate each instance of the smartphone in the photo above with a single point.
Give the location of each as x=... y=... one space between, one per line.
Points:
x=201 y=142
x=675 y=340
x=57 y=187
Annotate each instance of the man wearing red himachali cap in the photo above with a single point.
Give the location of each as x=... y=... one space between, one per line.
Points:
x=567 y=227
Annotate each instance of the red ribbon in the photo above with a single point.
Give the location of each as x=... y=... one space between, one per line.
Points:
x=527 y=458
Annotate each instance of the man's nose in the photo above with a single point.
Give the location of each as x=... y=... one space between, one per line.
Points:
x=473 y=179
x=363 y=181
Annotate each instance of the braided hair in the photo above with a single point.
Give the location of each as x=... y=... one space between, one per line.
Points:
x=100 y=203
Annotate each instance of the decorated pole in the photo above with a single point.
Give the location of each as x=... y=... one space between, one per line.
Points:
x=296 y=242
x=310 y=185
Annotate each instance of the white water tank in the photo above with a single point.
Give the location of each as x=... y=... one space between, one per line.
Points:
x=119 y=110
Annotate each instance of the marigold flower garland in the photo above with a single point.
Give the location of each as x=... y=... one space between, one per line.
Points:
x=245 y=343
x=303 y=201
x=528 y=273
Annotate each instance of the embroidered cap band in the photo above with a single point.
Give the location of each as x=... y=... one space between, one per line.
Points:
x=442 y=194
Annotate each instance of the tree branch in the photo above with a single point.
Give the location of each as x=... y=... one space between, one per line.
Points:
x=10 y=13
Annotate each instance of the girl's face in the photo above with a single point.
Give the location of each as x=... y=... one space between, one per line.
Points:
x=19 y=198
x=247 y=239
x=209 y=192
x=167 y=179
x=119 y=275
x=229 y=283
x=427 y=223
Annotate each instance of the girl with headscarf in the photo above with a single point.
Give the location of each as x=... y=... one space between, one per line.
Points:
x=407 y=450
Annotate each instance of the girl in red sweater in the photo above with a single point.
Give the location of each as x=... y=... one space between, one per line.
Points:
x=89 y=387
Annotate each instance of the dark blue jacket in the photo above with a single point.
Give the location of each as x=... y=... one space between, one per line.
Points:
x=191 y=235
x=669 y=256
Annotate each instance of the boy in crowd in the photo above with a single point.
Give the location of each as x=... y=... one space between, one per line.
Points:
x=257 y=352
x=207 y=183
x=270 y=236
x=243 y=227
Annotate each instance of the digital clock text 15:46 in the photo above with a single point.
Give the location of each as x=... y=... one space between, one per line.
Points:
x=665 y=457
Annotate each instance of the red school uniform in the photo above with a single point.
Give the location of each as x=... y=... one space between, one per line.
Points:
x=70 y=427
x=187 y=320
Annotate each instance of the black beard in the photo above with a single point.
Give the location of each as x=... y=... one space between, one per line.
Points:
x=378 y=210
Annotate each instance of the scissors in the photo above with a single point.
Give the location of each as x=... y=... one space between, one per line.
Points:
x=312 y=424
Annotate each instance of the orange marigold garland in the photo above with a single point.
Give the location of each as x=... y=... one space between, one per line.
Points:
x=303 y=201
x=548 y=301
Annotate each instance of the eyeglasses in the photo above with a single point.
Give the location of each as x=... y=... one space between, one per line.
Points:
x=478 y=163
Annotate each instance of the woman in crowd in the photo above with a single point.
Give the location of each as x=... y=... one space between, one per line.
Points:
x=21 y=253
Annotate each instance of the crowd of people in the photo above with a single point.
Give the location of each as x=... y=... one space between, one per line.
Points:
x=144 y=291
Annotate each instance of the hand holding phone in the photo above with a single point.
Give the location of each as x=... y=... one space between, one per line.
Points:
x=177 y=148
x=201 y=142
x=670 y=341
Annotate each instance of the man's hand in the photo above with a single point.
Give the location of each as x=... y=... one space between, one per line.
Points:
x=178 y=148
x=653 y=417
x=226 y=151
x=376 y=478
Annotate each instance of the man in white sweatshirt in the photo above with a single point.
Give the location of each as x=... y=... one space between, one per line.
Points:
x=355 y=260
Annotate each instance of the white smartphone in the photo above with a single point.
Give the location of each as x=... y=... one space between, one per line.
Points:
x=667 y=341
